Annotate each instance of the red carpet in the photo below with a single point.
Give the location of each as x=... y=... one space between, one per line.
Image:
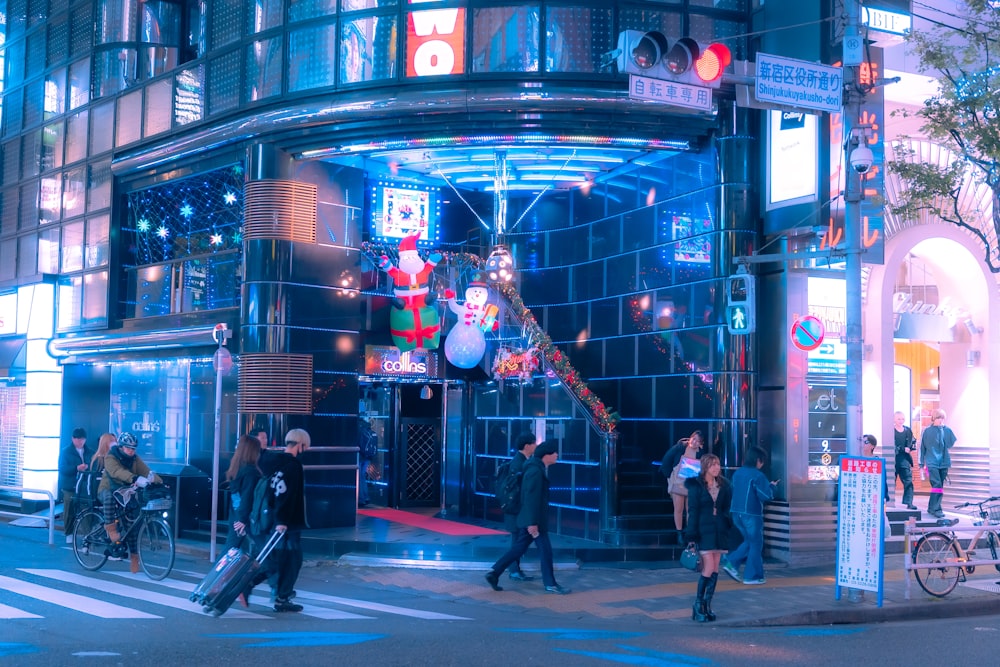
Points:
x=430 y=523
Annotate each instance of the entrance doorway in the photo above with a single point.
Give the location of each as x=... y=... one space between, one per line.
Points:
x=406 y=417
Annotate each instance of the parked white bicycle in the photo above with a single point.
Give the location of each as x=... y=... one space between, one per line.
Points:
x=945 y=548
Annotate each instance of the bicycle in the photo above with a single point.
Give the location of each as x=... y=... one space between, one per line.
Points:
x=151 y=534
x=947 y=549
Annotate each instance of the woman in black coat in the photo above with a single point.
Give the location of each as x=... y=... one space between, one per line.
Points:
x=242 y=476
x=709 y=498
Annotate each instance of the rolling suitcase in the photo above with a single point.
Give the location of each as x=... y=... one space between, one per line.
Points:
x=230 y=576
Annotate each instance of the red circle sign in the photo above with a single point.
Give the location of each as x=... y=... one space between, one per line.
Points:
x=807 y=333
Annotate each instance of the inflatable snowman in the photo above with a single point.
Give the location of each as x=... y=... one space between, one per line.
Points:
x=466 y=343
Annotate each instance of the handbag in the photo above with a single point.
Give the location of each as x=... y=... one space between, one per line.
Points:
x=691 y=559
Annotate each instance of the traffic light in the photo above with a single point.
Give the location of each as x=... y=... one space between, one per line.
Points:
x=741 y=317
x=684 y=60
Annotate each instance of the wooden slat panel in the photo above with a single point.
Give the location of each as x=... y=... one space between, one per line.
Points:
x=276 y=383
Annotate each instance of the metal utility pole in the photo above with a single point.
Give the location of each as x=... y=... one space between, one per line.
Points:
x=853 y=178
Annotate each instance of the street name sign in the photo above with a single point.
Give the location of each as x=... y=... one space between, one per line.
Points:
x=799 y=83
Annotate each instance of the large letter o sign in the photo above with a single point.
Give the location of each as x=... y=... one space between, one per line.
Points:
x=433 y=57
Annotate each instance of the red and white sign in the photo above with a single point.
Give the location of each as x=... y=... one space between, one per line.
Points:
x=435 y=42
x=807 y=333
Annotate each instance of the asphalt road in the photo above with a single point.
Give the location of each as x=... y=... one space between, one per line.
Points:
x=54 y=613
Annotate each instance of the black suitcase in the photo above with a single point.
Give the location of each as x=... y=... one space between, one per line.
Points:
x=230 y=576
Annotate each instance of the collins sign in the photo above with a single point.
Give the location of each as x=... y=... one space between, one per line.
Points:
x=435 y=41
x=388 y=360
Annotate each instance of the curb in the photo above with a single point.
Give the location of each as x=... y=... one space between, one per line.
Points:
x=932 y=609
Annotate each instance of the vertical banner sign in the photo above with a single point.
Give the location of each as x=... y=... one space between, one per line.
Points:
x=861 y=524
x=435 y=41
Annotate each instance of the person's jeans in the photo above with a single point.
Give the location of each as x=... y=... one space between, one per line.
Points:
x=752 y=549
x=937 y=477
x=904 y=473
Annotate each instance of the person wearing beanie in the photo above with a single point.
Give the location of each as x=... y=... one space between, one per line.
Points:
x=532 y=520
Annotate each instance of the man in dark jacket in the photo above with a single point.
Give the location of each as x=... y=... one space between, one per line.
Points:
x=74 y=458
x=287 y=483
x=751 y=490
x=526 y=444
x=533 y=520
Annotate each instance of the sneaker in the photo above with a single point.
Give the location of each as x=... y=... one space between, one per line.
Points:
x=112 y=554
x=755 y=582
x=558 y=590
x=911 y=507
x=519 y=576
x=286 y=605
x=729 y=569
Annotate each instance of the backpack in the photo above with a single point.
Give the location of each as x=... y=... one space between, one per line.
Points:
x=262 y=510
x=508 y=489
x=87 y=483
x=367 y=444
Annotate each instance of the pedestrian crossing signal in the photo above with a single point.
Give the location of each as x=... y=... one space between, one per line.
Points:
x=740 y=303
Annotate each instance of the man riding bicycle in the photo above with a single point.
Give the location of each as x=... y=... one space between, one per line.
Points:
x=122 y=467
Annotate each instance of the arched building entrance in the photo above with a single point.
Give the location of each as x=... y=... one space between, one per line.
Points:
x=928 y=335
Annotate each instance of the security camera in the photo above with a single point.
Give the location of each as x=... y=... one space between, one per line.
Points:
x=862 y=159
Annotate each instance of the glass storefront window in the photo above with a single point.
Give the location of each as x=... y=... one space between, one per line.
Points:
x=8 y=259
x=79 y=83
x=50 y=199
x=29 y=205
x=150 y=399
x=128 y=126
x=48 y=250
x=52 y=146
x=8 y=212
x=95 y=299
x=76 y=137
x=55 y=93
x=149 y=291
x=224 y=82
x=72 y=247
x=305 y=69
x=98 y=241
x=74 y=193
x=264 y=68
x=158 y=111
x=577 y=38
x=669 y=23
x=70 y=297
x=225 y=22
x=301 y=10
x=189 y=96
x=354 y=5
x=99 y=186
x=117 y=21
x=368 y=49
x=505 y=39
x=102 y=117
x=27 y=251
x=263 y=15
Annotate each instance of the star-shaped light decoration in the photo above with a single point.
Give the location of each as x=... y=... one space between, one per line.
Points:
x=162 y=232
x=216 y=239
x=142 y=225
x=187 y=211
x=238 y=237
x=229 y=198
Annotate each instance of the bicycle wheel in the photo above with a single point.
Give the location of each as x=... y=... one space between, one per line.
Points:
x=90 y=541
x=995 y=548
x=937 y=548
x=156 y=548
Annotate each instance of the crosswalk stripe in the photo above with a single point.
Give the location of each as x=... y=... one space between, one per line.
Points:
x=13 y=612
x=113 y=588
x=308 y=610
x=377 y=606
x=71 y=600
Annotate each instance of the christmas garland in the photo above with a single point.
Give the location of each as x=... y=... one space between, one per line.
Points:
x=605 y=419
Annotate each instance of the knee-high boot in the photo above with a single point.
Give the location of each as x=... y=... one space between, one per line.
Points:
x=709 y=592
x=698 y=609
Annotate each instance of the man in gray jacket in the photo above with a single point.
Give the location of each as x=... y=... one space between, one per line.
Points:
x=750 y=491
x=935 y=459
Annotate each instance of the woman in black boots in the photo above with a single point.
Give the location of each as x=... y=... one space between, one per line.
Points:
x=708 y=525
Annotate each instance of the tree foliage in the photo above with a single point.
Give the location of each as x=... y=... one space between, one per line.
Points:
x=964 y=117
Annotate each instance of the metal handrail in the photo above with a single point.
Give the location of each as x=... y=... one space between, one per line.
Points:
x=52 y=507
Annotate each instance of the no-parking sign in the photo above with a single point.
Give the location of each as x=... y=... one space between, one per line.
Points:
x=807 y=333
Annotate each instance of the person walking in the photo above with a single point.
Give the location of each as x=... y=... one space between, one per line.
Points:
x=532 y=520
x=287 y=489
x=686 y=451
x=526 y=444
x=905 y=442
x=242 y=476
x=261 y=436
x=709 y=499
x=74 y=458
x=935 y=443
x=367 y=451
x=750 y=491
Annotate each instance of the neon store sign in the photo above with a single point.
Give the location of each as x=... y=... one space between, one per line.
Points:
x=388 y=360
x=435 y=41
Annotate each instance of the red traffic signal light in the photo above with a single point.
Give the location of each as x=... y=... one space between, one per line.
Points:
x=712 y=61
x=651 y=54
